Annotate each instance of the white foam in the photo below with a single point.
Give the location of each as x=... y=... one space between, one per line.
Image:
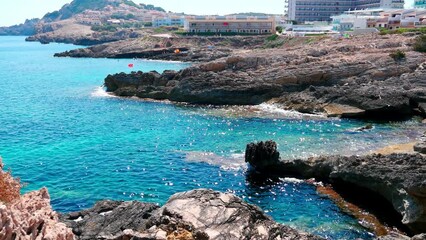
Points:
x=100 y=92
x=235 y=162
x=291 y=180
x=275 y=109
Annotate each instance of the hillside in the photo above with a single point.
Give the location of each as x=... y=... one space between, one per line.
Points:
x=83 y=13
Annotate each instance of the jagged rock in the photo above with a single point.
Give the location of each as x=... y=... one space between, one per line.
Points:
x=399 y=178
x=262 y=155
x=420 y=147
x=109 y=218
x=198 y=214
x=31 y=217
x=353 y=79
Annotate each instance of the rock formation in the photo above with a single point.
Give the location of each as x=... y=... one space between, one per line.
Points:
x=345 y=77
x=399 y=178
x=198 y=214
x=29 y=216
x=191 y=49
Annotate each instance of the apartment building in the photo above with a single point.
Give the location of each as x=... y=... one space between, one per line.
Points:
x=168 y=21
x=322 y=10
x=230 y=24
x=420 y=3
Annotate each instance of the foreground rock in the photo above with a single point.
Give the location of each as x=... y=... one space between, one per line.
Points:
x=29 y=216
x=346 y=77
x=398 y=178
x=197 y=214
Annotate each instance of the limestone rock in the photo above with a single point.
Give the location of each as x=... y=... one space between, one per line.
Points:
x=198 y=214
x=31 y=217
x=109 y=218
x=356 y=78
x=399 y=178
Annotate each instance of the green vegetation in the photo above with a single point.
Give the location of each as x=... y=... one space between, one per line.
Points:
x=122 y=16
x=115 y=27
x=279 y=29
x=273 y=37
x=273 y=41
x=131 y=3
x=152 y=7
x=79 y=6
x=105 y=28
x=398 y=55
x=384 y=31
x=420 y=43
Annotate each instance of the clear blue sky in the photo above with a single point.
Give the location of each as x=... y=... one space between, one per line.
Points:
x=16 y=11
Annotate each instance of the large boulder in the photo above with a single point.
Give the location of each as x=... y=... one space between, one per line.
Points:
x=262 y=155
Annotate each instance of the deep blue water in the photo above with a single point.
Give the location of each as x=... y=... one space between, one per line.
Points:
x=59 y=130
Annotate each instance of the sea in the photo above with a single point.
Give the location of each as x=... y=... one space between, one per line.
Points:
x=59 y=129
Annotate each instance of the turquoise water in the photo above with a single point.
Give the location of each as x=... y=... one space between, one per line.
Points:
x=60 y=130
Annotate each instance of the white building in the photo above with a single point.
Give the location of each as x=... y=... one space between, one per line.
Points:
x=168 y=21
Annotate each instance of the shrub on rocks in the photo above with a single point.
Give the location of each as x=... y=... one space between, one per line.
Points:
x=9 y=187
x=398 y=55
x=420 y=43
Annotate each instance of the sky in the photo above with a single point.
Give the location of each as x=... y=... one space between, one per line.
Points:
x=16 y=11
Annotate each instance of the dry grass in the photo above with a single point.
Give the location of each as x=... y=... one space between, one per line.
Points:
x=10 y=187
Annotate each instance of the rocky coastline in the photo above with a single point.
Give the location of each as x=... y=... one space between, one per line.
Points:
x=338 y=77
x=169 y=47
x=196 y=214
x=398 y=179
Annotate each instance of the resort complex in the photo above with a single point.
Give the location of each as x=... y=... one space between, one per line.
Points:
x=309 y=10
x=230 y=24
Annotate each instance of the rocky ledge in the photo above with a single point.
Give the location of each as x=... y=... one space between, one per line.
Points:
x=400 y=179
x=198 y=214
x=164 y=46
x=340 y=77
x=29 y=216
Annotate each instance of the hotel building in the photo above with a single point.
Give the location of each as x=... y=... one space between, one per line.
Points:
x=322 y=10
x=230 y=24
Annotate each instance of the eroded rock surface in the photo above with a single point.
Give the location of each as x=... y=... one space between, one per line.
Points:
x=399 y=178
x=31 y=217
x=346 y=77
x=197 y=214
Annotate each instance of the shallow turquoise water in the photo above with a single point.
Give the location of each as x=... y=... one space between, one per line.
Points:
x=59 y=130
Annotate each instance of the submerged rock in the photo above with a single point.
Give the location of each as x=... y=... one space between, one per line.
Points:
x=398 y=178
x=198 y=214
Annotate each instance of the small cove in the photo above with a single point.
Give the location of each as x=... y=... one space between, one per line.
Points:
x=61 y=131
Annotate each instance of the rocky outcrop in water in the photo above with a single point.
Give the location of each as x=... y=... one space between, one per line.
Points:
x=345 y=77
x=198 y=214
x=398 y=178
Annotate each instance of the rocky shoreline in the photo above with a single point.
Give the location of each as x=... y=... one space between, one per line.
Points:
x=169 y=47
x=197 y=214
x=338 y=77
x=399 y=179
